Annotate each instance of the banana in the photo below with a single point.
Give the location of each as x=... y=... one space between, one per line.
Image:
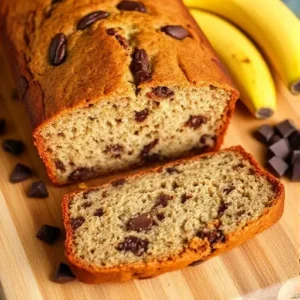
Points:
x=244 y=62
x=271 y=24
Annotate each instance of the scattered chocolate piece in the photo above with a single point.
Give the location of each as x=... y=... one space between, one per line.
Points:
x=163 y=200
x=86 y=204
x=57 y=49
x=147 y=148
x=2 y=126
x=140 y=66
x=99 y=212
x=295 y=156
x=140 y=223
x=285 y=128
x=20 y=173
x=111 y=31
x=172 y=170
x=38 y=190
x=132 y=6
x=222 y=207
x=59 y=165
x=80 y=174
x=215 y=236
x=296 y=172
x=277 y=166
x=14 y=147
x=196 y=121
x=115 y=150
x=280 y=149
x=141 y=116
x=64 y=274
x=238 y=166
x=122 y=41
x=160 y=216
x=185 y=197
x=49 y=234
x=176 y=31
x=91 y=18
x=134 y=244
x=118 y=182
x=160 y=92
x=196 y=263
x=275 y=138
x=76 y=222
x=295 y=140
x=264 y=133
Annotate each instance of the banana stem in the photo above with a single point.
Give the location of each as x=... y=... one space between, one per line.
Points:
x=295 y=87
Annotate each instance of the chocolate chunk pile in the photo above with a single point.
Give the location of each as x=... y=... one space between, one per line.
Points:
x=283 y=141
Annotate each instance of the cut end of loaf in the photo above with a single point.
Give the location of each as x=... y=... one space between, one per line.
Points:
x=158 y=215
x=115 y=134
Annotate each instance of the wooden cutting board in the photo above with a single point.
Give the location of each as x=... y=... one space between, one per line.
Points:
x=258 y=269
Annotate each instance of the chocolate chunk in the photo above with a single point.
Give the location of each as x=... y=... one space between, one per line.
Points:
x=49 y=234
x=295 y=156
x=134 y=244
x=277 y=166
x=141 y=116
x=176 y=31
x=296 y=172
x=238 y=166
x=111 y=31
x=160 y=92
x=140 y=66
x=99 y=212
x=140 y=223
x=280 y=149
x=86 y=204
x=285 y=128
x=20 y=173
x=38 y=190
x=118 y=182
x=89 y=19
x=122 y=41
x=22 y=87
x=64 y=274
x=115 y=150
x=215 y=236
x=222 y=207
x=163 y=200
x=275 y=138
x=2 y=126
x=147 y=148
x=80 y=174
x=196 y=263
x=228 y=190
x=14 y=147
x=295 y=140
x=132 y=6
x=172 y=170
x=160 y=216
x=185 y=197
x=264 y=133
x=57 y=49
x=59 y=165
x=76 y=222
x=196 y=121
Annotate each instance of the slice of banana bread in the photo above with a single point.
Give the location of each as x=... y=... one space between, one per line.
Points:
x=169 y=217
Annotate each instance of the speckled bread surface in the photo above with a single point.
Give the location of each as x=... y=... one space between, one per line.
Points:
x=111 y=85
x=169 y=217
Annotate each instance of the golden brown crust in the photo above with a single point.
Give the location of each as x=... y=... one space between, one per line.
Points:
x=197 y=250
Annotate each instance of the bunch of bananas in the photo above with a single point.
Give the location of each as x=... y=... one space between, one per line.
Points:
x=272 y=26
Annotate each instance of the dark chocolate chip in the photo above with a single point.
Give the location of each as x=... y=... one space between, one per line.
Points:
x=275 y=138
x=115 y=150
x=160 y=92
x=49 y=234
x=285 y=128
x=111 y=31
x=86 y=204
x=228 y=190
x=132 y=6
x=99 y=212
x=295 y=156
x=176 y=31
x=277 y=166
x=140 y=223
x=222 y=207
x=162 y=200
x=147 y=148
x=14 y=147
x=64 y=274
x=89 y=19
x=196 y=121
x=238 y=166
x=80 y=174
x=2 y=126
x=140 y=66
x=141 y=116
x=20 y=173
x=57 y=49
x=38 y=190
x=215 y=236
x=172 y=170
x=280 y=149
x=118 y=182
x=175 y=185
x=295 y=140
x=134 y=244
x=76 y=222
x=160 y=216
x=196 y=263
x=296 y=172
x=59 y=165
x=264 y=133
x=22 y=87
x=185 y=197
x=122 y=41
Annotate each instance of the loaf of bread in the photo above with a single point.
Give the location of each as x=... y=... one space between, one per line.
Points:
x=114 y=84
x=169 y=217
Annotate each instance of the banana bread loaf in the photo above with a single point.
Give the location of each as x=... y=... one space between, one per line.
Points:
x=169 y=217
x=114 y=84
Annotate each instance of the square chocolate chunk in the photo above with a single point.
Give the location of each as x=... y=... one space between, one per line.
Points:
x=280 y=149
x=277 y=166
x=264 y=133
x=285 y=128
x=296 y=172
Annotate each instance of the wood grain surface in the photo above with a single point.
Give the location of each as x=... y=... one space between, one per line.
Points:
x=256 y=270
